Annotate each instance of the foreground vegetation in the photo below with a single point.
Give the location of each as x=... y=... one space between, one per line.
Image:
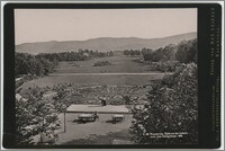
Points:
x=36 y=115
x=172 y=103
x=172 y=107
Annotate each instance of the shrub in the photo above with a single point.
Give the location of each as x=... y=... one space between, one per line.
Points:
x=102 y=63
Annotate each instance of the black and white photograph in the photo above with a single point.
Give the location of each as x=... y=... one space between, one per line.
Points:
x=106 y=76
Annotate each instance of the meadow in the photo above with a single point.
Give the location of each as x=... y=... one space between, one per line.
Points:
x=122 y=71
x=118 y=63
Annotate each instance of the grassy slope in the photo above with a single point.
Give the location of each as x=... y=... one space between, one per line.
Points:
x=119 y=64
x=92 y=80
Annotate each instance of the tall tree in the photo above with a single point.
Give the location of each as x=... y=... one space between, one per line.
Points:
x=32 y=115
x=187 y=51
x=172 y=107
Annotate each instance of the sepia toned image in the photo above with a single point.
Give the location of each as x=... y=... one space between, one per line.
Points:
x=106 y=76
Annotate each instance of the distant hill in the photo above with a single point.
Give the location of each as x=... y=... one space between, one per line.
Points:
x=102 y=44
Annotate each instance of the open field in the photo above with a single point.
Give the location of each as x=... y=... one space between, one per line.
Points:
x=122 y=71
x=92 y=80
x=118 y=63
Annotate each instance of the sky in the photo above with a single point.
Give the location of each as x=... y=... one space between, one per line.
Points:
x=41 y=25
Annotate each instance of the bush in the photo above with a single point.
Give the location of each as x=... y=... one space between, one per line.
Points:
x=167 y=66
x=102 y=63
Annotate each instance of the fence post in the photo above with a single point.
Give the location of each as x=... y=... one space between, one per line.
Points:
x=64 y=121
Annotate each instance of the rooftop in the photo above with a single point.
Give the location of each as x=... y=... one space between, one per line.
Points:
x=108 y=109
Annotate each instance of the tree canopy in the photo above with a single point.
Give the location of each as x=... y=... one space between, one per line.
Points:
x=172 y=107
x=36 y=115
x=184 y=52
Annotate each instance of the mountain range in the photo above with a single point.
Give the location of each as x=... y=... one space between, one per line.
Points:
x=102 y=44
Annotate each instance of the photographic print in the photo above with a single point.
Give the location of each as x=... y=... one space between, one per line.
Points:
x=106 y=76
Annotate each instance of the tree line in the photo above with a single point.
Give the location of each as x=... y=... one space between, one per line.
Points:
x=26 y=64
x=132 y=52
x=184 y=52
x=45 y=63
x=167 y=59
x=81 y=55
